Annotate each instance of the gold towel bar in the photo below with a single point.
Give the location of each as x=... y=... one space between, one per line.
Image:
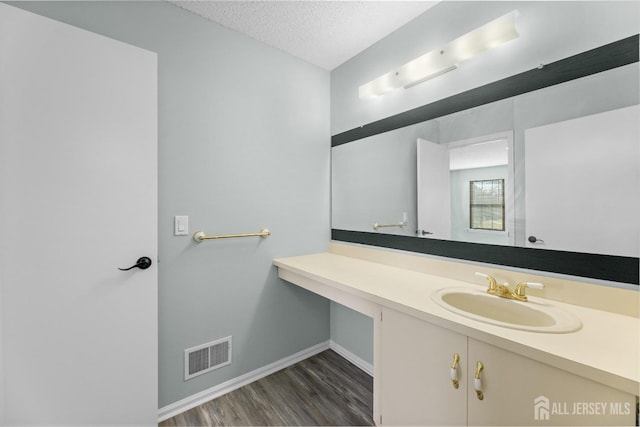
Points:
x=400 y=224
x=199 y=236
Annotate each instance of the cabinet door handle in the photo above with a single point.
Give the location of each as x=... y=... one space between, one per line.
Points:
x=454 y=370
x=477 y=381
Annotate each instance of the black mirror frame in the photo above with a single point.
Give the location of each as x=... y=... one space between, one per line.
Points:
x=604 y=267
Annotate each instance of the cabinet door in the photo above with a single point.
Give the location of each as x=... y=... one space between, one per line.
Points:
x=415 y=361
x=520 y=391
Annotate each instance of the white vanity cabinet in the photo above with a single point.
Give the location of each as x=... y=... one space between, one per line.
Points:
x=415 y=384
x=413 y=373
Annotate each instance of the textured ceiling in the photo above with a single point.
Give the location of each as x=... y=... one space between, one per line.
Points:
x=324 y=33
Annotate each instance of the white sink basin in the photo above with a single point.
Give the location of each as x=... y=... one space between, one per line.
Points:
x=534 y=315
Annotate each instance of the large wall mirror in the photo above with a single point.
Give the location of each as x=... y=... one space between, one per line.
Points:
x=540 y=171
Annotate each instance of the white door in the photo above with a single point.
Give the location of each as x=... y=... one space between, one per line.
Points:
x=575 y=201
x=434 y=190
x=78 y=182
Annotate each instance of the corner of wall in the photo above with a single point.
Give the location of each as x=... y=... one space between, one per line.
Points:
x=352 y=332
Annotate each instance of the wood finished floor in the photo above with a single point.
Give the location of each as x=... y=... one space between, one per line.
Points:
x=324 y=390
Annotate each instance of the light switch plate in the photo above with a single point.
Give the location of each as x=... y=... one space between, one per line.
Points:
x=181 y=225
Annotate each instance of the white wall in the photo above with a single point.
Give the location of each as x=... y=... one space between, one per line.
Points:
x=243 y=144
x=549 y=31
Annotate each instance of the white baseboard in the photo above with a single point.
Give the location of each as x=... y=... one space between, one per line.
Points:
x=360 y=363
x=197 y=399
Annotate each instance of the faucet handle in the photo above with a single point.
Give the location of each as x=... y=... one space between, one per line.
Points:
x=519 y=292
x=493 y=285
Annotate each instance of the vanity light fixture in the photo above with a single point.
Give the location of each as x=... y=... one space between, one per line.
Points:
x=445 y=59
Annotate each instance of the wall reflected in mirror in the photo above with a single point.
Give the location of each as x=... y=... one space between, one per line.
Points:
x=570 y=177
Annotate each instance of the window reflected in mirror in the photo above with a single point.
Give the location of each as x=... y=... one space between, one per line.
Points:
x=486 y=205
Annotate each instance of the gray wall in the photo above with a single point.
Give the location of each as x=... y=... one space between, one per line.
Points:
x=549 y=31
x=243 y=144
x=370 y=180
x=358 y=338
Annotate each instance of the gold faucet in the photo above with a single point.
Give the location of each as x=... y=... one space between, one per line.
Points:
x=519 y=293
x=503 y=290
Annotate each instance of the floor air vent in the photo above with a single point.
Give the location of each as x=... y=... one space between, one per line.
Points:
x=207 y=357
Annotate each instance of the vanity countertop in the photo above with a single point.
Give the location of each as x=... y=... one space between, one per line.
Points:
x=606 y=349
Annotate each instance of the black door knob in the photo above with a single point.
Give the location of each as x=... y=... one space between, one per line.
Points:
x=143 y=263
x=534 y=239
